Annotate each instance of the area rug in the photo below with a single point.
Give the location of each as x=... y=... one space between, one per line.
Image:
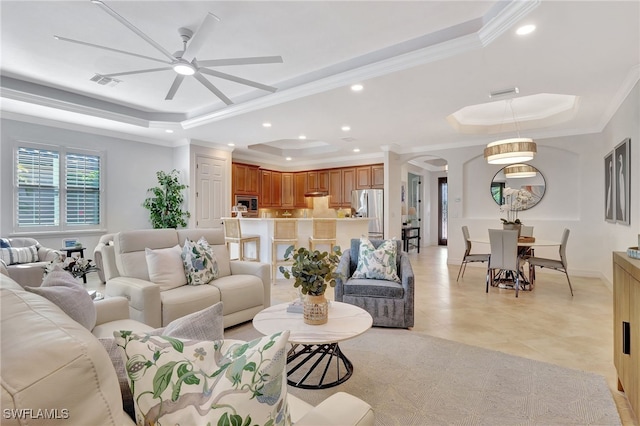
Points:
x=415 y=379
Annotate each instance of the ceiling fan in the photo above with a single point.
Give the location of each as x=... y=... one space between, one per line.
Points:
x=184 y=62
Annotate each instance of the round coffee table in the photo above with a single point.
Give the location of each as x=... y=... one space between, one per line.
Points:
x=315 y=347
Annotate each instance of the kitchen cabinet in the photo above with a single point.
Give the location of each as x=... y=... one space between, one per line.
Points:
x=299 y=189
x=245 y=179
x=626 y=326
x=288 y=195
x=368 y=177
x=270 y=188
x=317 y=180
x=335 y=188
x=348 y=184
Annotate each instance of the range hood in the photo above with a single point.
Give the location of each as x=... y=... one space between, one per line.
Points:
x=316 y=194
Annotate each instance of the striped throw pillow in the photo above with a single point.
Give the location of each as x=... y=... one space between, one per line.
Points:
x=15 y=255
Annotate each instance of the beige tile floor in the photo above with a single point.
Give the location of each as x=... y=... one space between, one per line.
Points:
x=546 y=324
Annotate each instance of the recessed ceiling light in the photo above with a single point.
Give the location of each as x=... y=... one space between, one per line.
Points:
x=346 y=128
x=168 y=130
x=356 y=149
x=302 y=137
x=266 y=124
x=357 y=87
x=288 y=158
x=526 y=29
x=231 y=144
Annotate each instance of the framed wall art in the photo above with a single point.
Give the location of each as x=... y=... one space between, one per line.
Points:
x=622 y=177
x=609 y=188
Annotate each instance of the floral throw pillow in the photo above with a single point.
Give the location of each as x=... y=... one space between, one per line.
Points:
x=377 y=263
x=189 y=382
x=199 y=261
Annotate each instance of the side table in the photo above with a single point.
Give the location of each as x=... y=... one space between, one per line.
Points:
x=70 y=251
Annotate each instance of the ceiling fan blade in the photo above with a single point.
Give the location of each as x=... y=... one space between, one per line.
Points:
x=70 y=40
x=200 y=37
x=238 y=80
x=133 y=28
x=137 y=72
x=241 y=61
x=213 y=88
x=174 y=87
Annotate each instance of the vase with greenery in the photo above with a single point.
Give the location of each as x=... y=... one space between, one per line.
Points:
x=165 y=206
x=313 y=271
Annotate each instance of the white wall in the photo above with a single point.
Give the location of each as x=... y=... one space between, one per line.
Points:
x=573 y=167
x=130 y=168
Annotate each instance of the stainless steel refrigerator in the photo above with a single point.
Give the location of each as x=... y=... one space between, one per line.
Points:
x=370 y=203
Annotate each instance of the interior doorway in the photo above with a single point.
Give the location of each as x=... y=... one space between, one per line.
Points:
x=443 y=211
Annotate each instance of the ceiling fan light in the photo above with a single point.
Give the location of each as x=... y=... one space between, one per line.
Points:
x=509 y=151
x=184 y=68
x=519 y=171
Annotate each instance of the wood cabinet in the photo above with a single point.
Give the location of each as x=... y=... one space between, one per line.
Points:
x=288 y=194
x=626 y=326
x=318 y=180
x=270 y=188
x=299 y=189
x=335 y=188
x=368 y=177
x=244 y=179
x=348 y=185
x=377 y=176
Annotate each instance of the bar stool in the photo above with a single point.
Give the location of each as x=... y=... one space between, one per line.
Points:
x=324 y=232
x=233 y=235
x=285 y=231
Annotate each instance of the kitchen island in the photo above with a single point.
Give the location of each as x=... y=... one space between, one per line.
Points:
x=346 y=229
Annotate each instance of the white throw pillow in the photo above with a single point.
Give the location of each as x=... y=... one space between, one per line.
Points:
x=377 y=263
x=17 y=255
x=190 y=382
x=165 y=267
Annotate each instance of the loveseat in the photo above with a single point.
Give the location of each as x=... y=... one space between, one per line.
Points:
x=56 y=372
x=243 y=287
x=27 y=271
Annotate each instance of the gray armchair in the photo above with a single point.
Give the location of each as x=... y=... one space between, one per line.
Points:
x=391 y=304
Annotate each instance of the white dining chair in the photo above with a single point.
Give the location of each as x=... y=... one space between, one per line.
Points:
x=504 y=255
x=468 y=256
x=555 y=264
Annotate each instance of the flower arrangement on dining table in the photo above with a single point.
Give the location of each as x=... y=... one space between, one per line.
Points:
x=515 y=200
x=76 y=266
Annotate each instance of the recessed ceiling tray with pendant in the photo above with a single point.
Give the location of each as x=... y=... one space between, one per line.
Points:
x=184 y=62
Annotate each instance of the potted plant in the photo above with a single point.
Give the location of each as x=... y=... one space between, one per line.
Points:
x=165 y=206
x=313 y=271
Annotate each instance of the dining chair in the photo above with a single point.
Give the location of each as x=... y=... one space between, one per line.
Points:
x=504 y=255
x=468 y=256
x=285 y=232
x=233 y=235
x=558 y=265
x=323 y=232
x=526 y=231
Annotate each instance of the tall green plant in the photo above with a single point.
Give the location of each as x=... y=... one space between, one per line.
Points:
x=165 y=206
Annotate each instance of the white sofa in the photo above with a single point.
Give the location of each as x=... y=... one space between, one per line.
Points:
x=30 y=274
x=243 y=287
x=50 y=361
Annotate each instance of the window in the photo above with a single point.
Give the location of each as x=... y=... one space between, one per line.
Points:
x=57 y=189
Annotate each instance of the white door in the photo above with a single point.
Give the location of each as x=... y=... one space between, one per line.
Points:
x=210 y=194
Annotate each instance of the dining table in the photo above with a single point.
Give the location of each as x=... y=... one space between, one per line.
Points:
x=525 y=245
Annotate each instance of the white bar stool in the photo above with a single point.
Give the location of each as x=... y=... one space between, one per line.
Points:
x=285 y=231
x=324 y=232
x=233 y=235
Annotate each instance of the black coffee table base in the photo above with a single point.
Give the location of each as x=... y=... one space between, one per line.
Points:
x=321 y=362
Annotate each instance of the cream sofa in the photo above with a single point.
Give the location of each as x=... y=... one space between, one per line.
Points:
x=30 y=274
x=243 y=287
x=50 y=362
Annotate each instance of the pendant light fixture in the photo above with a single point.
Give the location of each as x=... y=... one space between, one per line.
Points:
x=509 y=151
x=520 y=171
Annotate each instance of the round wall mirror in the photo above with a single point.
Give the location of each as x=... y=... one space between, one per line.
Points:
x=520 y=185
